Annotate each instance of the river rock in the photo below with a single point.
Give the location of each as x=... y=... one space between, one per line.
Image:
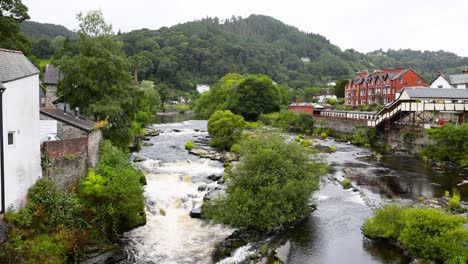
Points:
x=115 y=255
x=202 y=187
x=215 y=177
x=152 y=133
x=3 y=231
x=196 y=213
x=139 y=158
x=175 y=130
x=282 y=252
x=146 y=139
x=214 y=194
x=148 y=144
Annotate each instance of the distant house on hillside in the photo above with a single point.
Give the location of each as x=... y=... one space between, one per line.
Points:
x=52 y=76
x=445 y=81
x=202 y=88
x=21 y=157
x=381 y=86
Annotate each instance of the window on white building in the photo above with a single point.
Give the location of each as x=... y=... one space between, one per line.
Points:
x=11 y=138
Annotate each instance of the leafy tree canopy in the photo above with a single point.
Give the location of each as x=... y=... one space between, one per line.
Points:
x=270 y=187
x=225 y=129
x=12 y=12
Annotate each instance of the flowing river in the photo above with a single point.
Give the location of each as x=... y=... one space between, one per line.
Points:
x=331 y=234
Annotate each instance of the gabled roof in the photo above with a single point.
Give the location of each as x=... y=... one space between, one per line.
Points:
x=68 y=118
x=428 y=93
x=399 y=74
x=52 y=75
x=458 y=79
x=14 y=65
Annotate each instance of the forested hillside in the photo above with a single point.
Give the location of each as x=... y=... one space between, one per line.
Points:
x=36 y=31
x=205 y=50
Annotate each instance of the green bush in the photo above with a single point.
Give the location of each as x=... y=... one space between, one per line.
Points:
x=236 y=148
x=115 y=190
x=426 y=233
x=333 y=148
x=431 y=234
x=270 y=187
x=346 y=183
x=454 y=202
x=225 y=129
x=386 y=223
x=35 y=234
x=323 y=135
x=450 y=144
x=189 y=145
x=306 y=143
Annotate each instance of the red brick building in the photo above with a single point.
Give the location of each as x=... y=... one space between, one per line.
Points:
x=381 y=86
x=298 y=108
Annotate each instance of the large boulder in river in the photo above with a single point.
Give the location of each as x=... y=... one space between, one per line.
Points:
x=196 y=213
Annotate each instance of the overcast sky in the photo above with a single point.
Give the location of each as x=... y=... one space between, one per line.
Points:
x=364 y=25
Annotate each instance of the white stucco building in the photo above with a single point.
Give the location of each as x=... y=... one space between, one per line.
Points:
x=21 y=135
x=445 y=81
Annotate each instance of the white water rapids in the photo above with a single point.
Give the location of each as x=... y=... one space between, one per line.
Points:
x=170 y=235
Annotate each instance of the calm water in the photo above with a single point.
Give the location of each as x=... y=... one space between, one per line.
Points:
x=331 y=234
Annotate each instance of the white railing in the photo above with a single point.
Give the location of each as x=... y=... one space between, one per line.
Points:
x=414 y=107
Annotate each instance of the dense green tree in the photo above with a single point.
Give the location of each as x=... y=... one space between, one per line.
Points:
x=255 y=95
x=270 y=187
x=42 y=49
x=219 y=97
x=97 y=79
x=225 y=129
x=12 y=12
x=339 y=89
x=310 y=92
x=450 y=144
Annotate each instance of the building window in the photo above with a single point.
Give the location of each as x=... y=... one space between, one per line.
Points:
x=439 y=86
x=419 y=82
x=11 y=138
x=401 y=80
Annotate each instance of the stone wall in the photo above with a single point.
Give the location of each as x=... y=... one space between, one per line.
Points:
x=345 y=126
x=94 y=140
x=399 y=140
x=65 y=131
x=407 y=142
x=67 y=147
x=50 y=95
x=66 y=171
x=65 y=161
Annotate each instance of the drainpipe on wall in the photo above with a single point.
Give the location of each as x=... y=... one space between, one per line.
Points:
x=2 y=160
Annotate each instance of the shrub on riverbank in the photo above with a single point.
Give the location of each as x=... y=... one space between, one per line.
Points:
x=270 y=187
x=450 y=144
x=426 y=233
x=56 y=226
x=225 y=129
x=299 y=123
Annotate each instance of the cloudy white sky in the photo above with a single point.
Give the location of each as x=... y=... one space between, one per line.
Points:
x=364 y=25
